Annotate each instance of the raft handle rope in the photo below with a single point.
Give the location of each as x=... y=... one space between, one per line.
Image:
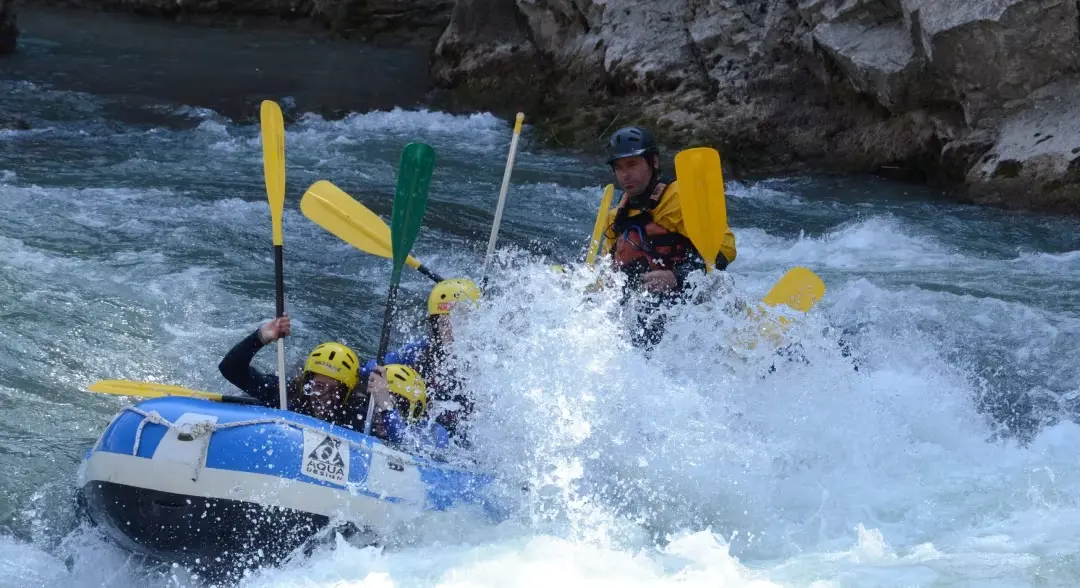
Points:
x=205 y=430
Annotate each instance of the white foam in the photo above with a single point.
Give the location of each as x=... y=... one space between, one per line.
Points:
x=698 y=466
x=696 y=559
x=875 y=242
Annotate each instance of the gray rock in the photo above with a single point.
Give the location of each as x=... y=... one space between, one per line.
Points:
x=569 y=31
x=662 y=59
x=992 y=51
x=879 y=60
x=865 y=11
x=1035 y=162
x=9 y=33
x=486 y=51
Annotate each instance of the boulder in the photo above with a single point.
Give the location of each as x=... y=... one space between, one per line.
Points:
x=871 y=12
x=648 y=46
x=989 y=52
x=569 y=32
x=1035 y=162
x=487 y=52
x=878 y=60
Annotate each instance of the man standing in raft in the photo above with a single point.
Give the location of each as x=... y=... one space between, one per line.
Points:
x=647 y=236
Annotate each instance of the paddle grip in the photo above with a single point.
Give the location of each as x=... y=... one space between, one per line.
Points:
x=384 y=345
x=279 y=279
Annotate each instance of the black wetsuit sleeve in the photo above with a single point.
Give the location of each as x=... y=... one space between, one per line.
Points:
x=236 y=368
x=693 y=262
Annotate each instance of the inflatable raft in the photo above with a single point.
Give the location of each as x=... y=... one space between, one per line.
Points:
x=189 y=480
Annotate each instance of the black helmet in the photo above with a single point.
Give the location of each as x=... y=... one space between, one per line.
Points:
x=631 y=141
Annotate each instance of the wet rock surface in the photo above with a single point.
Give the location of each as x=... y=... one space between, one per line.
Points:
x=945 y=89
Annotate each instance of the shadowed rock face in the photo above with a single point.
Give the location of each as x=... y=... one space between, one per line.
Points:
x=960 y=90
x=8 y=32
x=420 y=21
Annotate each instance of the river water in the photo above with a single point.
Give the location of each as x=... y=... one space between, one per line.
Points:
x=135 y=243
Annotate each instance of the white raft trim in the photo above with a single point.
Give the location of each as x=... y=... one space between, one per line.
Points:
x=254 y=488
x=189 y=427
x=192 y=426
x=392 y=474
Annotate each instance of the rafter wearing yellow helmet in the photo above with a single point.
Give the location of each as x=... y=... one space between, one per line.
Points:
x=400 y=396
x=430 y=355
x=330 y=372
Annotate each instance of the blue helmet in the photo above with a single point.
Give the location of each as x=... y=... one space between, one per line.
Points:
x=631 y=141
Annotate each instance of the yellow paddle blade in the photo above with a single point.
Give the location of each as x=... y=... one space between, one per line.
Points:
x=800 y=289
x=704 y=208
x=149 y=390
x=600 y=225
x=340 y=214
x=273 y=143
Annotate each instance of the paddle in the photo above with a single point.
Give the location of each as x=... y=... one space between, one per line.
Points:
x=704 y=209
x=600 y=225
x=273 y=144
x=799 y=289
x=410 y=203
x=502 y=197
x=341 y=215
x=154 y=390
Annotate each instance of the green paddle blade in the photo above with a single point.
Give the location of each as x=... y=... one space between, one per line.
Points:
x=410 y=201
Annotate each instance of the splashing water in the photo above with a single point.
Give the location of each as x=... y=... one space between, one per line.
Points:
x=945 y=458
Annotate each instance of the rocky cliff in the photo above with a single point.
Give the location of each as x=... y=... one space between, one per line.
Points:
x=975 y=93
x=8 y=32
x=981 y=93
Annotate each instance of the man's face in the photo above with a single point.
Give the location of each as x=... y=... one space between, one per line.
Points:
x=633 y=174
x=323 y=395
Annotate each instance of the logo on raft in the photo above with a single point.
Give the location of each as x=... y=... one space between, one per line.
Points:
x=325 y=458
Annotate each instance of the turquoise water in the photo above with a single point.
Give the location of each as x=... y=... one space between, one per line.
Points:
x=135 y=243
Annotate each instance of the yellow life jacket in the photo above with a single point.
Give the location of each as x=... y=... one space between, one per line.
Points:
x=653 y=238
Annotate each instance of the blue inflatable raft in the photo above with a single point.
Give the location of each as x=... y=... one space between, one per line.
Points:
x=184 y=479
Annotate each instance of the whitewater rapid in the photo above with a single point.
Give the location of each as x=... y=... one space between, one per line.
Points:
x=947 y=458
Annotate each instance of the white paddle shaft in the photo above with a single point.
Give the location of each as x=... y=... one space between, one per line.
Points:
x=502 y=194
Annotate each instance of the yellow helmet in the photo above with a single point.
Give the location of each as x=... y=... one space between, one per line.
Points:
x=406 y=383
x=334 y=360
x=447 y=293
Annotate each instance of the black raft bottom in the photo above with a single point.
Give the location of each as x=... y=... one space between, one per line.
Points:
x=217 y=538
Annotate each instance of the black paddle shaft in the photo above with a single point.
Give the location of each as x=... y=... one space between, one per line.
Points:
x=227 y=399
x=384 y=344
x=279 y=278
x=427 y=272
x=384 y=338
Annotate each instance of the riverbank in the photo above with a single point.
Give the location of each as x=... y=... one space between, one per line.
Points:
x=977 y=97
